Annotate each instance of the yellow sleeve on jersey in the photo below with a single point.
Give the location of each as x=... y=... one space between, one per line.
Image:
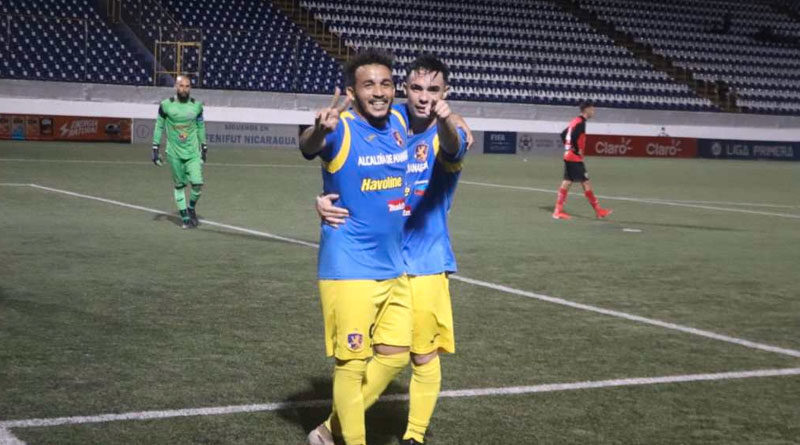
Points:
x=449 y=167
x=399 y=117
x=341 y=157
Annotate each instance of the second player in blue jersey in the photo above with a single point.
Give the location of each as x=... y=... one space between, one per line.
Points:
x=431 y=176
x=436 y=147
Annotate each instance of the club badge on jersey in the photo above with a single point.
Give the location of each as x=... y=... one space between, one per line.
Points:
x=421 y=152
x=398 y=138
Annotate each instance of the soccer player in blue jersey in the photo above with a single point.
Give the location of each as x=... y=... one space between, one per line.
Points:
x=365 y=295
x=436 y=148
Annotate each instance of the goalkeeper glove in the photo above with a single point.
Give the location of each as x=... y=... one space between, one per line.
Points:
x=156 y=157
x=204 y=152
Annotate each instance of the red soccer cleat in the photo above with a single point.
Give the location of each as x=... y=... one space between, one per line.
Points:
x=602 y=213
x=561 y=215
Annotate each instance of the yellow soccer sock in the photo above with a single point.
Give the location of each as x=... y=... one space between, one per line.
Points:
x=426 y=381
x=348 y=377
x=332 y=423
x=381 y=370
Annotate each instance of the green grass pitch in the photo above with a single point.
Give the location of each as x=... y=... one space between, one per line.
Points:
x=109 y=309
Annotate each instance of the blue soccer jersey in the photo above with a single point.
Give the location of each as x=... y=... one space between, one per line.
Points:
x=366 y=167
x=431 y=177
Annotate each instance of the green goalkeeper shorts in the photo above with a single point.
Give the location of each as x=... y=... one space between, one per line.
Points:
x=186 y=171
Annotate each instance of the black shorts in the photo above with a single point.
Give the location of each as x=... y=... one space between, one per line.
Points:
x=575 y=172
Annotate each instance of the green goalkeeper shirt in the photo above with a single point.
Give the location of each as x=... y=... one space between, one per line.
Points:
x=186 y=130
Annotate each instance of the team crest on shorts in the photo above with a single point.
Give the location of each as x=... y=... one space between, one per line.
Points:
x=421 y=152
x=398 y=138
x=355 y=341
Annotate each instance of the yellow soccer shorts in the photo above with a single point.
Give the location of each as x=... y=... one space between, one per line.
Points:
x=361 y=313
x=433 y=314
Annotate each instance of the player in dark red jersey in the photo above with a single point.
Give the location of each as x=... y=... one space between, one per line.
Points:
x=574 y=137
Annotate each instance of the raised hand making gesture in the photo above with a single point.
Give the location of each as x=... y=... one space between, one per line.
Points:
x=447 y=127
x=327 y=118
x=312 y=140
x=440 y=110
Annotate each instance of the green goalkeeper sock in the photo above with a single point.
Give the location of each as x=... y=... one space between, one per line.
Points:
x=194 y=195
x=180 y=199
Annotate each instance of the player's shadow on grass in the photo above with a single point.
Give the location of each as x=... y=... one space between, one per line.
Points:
x=678 y=226
x=385 y=421
x=611 y=220
x=175 y=219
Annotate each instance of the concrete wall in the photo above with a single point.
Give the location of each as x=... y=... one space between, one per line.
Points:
x=17 y=96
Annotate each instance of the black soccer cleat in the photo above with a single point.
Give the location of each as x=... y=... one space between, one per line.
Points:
x=411 y=442
x=193 y=217
x=187 y=224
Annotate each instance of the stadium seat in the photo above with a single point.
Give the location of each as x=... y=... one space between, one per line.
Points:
x=506 y=50
x=763 y=74
x=517 y=51
x=64 y=40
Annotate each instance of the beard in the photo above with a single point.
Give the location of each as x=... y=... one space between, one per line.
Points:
x=183 y=97
x=375 y=121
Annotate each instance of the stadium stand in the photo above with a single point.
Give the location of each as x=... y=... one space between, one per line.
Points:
x=510 y=51
x=746 y=44
x=250 y=45
x=516 y=51
x=65 y=40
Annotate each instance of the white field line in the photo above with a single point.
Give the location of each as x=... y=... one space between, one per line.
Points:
x=723 y=209
x=631 y=317
x=729 y=203
x=458 y=393
x=484 y=184
x=493 y=286
x=212 y=164
x=13 y=184
x=159 y=212
x=649 y=201
x=6 y=438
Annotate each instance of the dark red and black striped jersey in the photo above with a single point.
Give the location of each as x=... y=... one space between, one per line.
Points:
x=574 y=138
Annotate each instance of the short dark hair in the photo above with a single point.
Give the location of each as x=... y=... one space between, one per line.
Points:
x=430 y=63
x=586 y=104
x=370 y=56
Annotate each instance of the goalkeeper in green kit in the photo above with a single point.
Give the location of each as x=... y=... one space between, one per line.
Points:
x=186 y=146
